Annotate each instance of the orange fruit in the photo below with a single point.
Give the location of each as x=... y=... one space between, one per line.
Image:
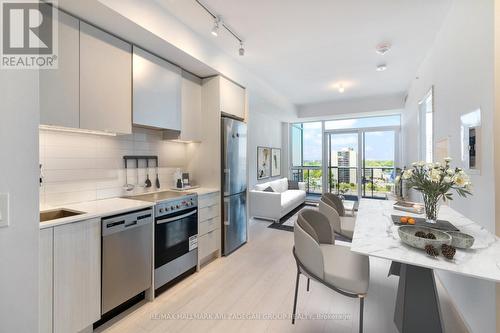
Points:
x=411 y=221
x=403 y=220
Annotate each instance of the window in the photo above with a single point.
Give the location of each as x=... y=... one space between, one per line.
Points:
x=426 y=123
x=296 y=133
x=307 y=150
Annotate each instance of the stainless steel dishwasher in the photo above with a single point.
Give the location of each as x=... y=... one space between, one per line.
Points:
x=127 y=251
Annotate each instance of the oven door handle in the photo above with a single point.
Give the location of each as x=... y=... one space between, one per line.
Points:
x=176 y=217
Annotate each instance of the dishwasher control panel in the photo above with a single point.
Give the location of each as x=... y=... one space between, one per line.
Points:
x=129 y=220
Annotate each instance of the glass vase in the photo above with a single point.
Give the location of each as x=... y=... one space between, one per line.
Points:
x=431 y=204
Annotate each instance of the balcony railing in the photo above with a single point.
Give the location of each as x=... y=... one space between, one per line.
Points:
x=312 y=176
x=376 y=182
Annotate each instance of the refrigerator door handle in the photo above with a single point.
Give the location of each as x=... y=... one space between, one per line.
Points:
x=227 y=179
x=226 y=211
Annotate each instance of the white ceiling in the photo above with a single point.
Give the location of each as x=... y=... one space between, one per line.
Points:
x=304 y=48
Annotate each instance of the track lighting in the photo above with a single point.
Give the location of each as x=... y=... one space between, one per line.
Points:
x=216 y=27
x=219 y=24
x=242 y=49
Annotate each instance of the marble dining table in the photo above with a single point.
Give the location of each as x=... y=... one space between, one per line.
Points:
x=376 y=235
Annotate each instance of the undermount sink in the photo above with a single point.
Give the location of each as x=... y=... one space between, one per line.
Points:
x=54 y=214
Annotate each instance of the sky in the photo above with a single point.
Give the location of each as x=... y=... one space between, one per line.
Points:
x=378 y=145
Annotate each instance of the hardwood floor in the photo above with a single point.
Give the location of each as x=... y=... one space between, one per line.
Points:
x=252 y=291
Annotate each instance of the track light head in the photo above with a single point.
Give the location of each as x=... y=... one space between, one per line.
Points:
x=242 y=49
x=216 y=27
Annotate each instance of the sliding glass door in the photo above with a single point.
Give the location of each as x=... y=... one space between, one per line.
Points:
x=361 y=162
x=343 y=163
x=379 y=160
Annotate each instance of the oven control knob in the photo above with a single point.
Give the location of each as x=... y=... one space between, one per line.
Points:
x=178 y=206
x=172 y=207
x=161 y=210
x=167 y=209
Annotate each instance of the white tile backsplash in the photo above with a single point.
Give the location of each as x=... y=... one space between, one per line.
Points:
x=81 y=167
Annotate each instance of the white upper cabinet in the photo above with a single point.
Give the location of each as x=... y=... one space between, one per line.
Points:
x=105 y=81
x=157 y=92
x=59 y=88
x=191 y=108
x=232 y=98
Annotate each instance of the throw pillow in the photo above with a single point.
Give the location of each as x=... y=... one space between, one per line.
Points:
x=268 y=189
x=293 y=185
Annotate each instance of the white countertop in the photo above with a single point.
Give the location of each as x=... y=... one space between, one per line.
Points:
x=376 y=235
x=204 y=190
x=108 y=207
x=96 y=209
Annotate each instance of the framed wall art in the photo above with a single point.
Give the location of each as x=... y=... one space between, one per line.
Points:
x=275 y=162
x=263 y=162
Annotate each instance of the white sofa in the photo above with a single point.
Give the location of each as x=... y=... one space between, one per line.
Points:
x=274 y=205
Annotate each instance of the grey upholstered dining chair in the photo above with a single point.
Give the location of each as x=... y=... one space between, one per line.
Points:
x=332 y=207
x=334 y=266
x=334 y=201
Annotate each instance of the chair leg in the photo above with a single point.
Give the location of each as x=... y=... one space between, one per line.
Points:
x=308 y=280
x=295 y=298
x=361 y=306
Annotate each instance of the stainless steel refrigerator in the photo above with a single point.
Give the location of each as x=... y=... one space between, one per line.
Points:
x=234 y=184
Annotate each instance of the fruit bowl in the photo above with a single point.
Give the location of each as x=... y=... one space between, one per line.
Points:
x=407 y=235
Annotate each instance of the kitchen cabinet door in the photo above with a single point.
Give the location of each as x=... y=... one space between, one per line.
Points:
x=232 y=98
x=77 y=275
x=191 y=108
x=105 y=81
x=59 y=88
x=45 y=266
x=157 y=92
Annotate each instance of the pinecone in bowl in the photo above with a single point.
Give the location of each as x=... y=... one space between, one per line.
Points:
x=421 y=234
x=430 y=235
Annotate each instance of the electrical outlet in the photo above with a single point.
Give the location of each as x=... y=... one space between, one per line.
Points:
x=4 y=210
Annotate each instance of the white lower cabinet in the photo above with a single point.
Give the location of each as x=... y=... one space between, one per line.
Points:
x=70 y=277
x=45 y=276
x=209 y=228
x=77 y=275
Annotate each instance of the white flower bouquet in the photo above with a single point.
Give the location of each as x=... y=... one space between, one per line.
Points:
x=436 y=181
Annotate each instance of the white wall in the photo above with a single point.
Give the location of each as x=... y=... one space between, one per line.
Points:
x=265 y=131
x=460 y=67
x=19 y=116
x=373 y=105
x=82 y=167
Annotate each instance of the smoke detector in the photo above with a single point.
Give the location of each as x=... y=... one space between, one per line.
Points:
x=383 y=48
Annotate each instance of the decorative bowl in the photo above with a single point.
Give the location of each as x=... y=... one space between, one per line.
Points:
x=461 y=240
x=407 y=235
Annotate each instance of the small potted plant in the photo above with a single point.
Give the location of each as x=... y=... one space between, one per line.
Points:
x=436 y=181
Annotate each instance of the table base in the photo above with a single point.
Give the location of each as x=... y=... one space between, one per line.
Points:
x=417 y=303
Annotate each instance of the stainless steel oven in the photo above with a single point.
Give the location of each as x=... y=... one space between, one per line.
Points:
x=176 y=238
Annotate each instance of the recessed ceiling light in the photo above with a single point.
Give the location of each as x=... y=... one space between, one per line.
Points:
x=381 y=68
x=383 y=48
x=341 y=88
